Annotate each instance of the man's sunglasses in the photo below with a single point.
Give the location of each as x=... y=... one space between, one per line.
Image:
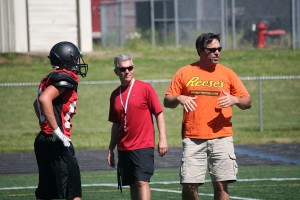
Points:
x=213 y=50
x=123 y=69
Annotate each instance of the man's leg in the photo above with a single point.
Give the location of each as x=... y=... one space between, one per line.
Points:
x=140 y=191
x=190 y=191
x=193 y=167
x=220 y=191
x=143 y=190
x=134 y=192
x=222 y=166
x=143 y=162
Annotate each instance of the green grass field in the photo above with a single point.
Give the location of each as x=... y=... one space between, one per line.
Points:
x=259 y=182
x=281 y=98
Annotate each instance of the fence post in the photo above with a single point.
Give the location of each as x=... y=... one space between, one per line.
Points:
x=152 y=23
x=261 y=125
x=176 y=22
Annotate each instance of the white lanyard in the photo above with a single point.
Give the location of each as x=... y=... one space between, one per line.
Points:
x=126 y=103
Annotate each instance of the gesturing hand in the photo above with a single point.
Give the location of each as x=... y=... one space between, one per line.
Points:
x=227 y=100
x=187 y=102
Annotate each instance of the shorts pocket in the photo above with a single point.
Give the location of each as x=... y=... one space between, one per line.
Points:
x=193 y=170
x=235 y=165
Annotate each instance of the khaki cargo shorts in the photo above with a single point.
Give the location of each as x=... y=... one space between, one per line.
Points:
x=216 y=155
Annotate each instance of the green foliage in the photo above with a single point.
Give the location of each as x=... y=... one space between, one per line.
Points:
x=281 y=98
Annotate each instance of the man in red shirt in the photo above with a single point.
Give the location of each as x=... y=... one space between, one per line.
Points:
x=132 y=105
x=207 y=91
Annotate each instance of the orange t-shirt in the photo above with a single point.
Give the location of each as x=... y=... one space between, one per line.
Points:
x=209 y=120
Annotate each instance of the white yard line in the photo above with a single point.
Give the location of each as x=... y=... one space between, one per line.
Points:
x=166 y=183
x=157 y=183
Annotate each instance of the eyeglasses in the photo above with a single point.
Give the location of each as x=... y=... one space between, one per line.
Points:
x=123 y=69
x=213 y=50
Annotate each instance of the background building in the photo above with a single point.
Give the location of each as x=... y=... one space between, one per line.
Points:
x=34 y=25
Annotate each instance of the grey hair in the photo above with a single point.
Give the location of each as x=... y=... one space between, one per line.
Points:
x=121 y=57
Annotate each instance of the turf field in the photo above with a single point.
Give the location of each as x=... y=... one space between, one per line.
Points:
x=256 y=182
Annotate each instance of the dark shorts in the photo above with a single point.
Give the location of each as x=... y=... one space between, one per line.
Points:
x=136 y=165
x=59 y=174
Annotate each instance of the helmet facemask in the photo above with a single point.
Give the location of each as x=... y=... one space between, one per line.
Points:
x=80 y=67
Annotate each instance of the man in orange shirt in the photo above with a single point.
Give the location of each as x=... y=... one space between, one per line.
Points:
x=207 y=91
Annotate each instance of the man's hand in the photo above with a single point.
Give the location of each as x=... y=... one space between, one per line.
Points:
x=187 y=102
x=58 y=135
x=111 y=158
x=227 y=100
x=162 y=148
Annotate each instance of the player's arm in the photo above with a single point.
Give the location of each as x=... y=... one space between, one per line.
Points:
x=45 y=99
x=162 y=144
x=112 y=145
x=61 y=81
x=172 y=101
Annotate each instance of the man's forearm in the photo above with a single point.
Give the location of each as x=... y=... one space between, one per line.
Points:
x=244 y=103
x=170 y=101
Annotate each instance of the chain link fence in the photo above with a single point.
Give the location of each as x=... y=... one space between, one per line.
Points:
x=274 y=101
x=243 y=24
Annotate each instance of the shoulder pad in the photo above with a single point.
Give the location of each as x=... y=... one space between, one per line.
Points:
x=63 y=80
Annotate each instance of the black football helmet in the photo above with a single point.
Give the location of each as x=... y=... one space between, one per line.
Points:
x=67 y=55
